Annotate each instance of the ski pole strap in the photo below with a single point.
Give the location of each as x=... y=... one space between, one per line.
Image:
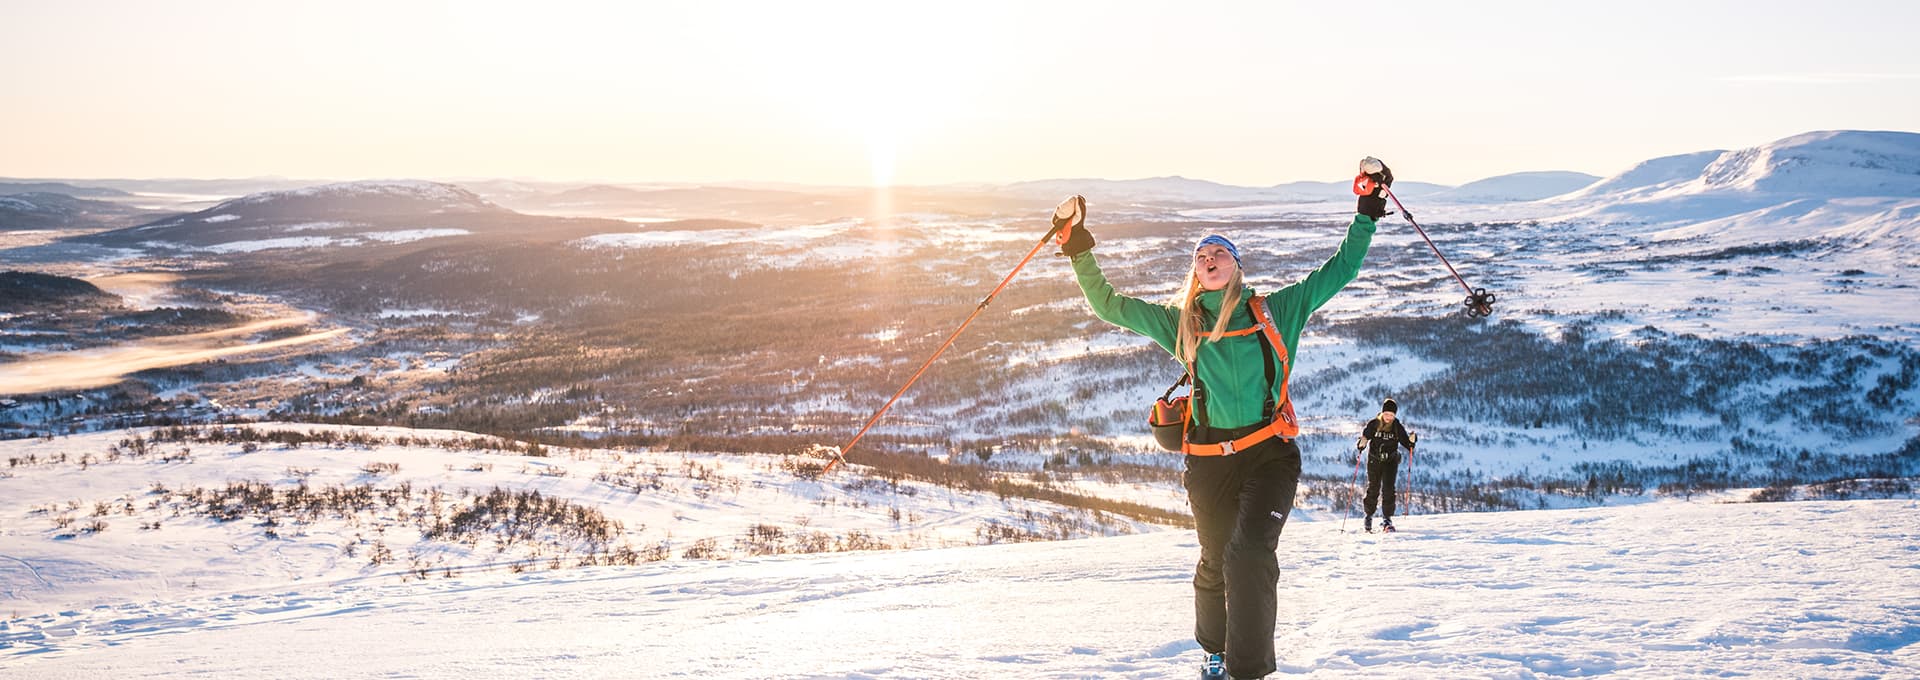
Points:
x=1184 y=377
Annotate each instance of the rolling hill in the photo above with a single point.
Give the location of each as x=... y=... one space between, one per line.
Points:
x=345 y=214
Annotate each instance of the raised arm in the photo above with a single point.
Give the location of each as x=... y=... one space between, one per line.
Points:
x=1294 y=303
x=1155 y=321
x=1146 y=318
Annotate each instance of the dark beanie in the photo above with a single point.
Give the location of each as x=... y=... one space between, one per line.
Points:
x=1390 y=406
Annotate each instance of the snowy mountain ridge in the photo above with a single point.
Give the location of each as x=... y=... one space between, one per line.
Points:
x=1848 y=191
x=1839 y=163
x=1652 y=174
x=45 y=210
x=447 y=196
x=1830 y=164
x=1188 y=190
x=1519 y=186
x=316 y=204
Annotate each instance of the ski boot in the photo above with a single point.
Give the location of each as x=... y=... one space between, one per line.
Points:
x=1216 y=668
x=1386 y=525
x=1369 y=525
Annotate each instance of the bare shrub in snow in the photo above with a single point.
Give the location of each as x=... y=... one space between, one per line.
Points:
x=703 y=549
x=378 y=468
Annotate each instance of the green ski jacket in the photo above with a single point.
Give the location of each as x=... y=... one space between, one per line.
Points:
x=1233 y=369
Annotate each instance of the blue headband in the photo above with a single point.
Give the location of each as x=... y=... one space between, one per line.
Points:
x=1221 y=241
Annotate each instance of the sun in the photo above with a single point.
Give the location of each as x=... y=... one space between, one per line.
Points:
x=869 y=85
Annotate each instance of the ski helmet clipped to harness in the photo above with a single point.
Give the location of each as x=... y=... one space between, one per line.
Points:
x=1168 y=419
x=1390 y=406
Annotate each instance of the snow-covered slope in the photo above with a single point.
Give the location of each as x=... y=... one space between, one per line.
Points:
x=1648 y=175
x=101 y=518
x=1660 y=590
x=1519 y=186
x=1816 y=166
x=1841 y=163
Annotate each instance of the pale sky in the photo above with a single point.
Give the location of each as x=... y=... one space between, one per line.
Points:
x=1251 y=93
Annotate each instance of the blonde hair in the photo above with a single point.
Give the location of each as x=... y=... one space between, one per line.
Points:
x=1186 y=340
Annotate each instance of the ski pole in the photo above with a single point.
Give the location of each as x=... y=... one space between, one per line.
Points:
x=1415 y=438
x=1353 y=489
x=1479 y=302
x=1408 y=494
x=1068 y=210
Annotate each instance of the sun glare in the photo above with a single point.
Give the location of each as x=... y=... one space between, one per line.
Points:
x=880 y=90
x=882 y=147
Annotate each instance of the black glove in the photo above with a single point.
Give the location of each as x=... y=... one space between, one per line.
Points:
x=1073 y=238
x=1374 y=205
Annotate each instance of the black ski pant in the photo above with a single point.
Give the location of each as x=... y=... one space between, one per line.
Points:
x=1240 y=503
x=1380 y=480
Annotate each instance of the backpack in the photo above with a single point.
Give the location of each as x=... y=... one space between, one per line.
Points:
x=1172 y=417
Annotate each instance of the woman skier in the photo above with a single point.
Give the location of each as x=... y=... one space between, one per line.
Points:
x=1242 y=462
x=1382 y=438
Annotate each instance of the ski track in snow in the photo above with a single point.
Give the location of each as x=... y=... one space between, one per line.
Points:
x=1670 y=589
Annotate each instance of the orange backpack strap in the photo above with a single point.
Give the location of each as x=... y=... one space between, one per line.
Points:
x=1265 y=324
x=1284 y=425
x=1282 y=410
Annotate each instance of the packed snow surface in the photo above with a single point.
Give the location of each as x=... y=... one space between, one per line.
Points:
x=1658 y=589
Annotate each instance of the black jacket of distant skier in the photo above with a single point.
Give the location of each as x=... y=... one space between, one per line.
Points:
x=1384 y=441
